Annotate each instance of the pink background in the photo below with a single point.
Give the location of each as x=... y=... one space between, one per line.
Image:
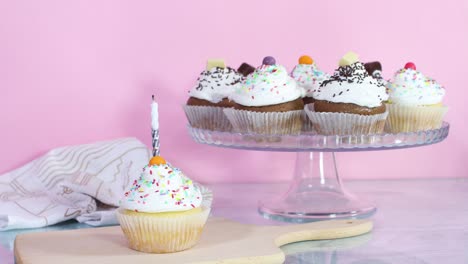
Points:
x=75 y=72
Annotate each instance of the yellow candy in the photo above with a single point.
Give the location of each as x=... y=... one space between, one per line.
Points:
x=348 y=59
x=157 y=160
x=210 y=64
x=305 y=60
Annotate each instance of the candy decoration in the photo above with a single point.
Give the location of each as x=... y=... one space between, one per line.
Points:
x=306 y=60
x=348 y=59
x=213 y=63
x=410 y=65
x=157 y=160
x=245 y=69
x=155 y=127
x=269 y=60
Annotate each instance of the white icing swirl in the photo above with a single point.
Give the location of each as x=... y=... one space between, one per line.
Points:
x=411 y=87
x=216 y=84
x=352 y=84
x=267 y=85
x=162 y=188
x=309 y=78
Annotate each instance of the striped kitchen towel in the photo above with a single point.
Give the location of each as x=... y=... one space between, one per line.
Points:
x=71 y=183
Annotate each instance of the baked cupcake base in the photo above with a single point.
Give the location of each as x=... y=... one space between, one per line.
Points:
x=328 y=123
x=207 y=117
x=163 y=232
x=330 y=107
x=266 y=123
x=414 y=118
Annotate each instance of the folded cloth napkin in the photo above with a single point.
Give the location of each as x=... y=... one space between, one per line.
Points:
x=69 y=183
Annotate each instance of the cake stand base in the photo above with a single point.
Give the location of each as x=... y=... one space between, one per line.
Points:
x=316 y=193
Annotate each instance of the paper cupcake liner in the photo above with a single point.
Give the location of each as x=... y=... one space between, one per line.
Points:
x=207 y=117
x=344 y=123
x=207 y=195
x=307 y=125
x=414 y=118
x=266 y=123
x=156 y=233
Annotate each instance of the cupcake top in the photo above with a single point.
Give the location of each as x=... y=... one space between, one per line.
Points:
x=161 y=188
x=269 y=84
x=352 y=84
x=411 y=87
x=374 y=69
x=308 y=76
x=216 y=82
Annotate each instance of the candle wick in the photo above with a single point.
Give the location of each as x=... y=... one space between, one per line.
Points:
x=152 y=96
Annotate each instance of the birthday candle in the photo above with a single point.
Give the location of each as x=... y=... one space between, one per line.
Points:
x=155 y=127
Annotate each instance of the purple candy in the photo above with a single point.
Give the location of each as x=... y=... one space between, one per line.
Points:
x=269 y=60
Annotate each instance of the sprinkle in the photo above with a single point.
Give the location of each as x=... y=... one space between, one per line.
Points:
x=192 y=205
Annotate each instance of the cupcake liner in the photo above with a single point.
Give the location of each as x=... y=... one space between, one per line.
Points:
x=207 y=195
x=414 y=118
x=207 y=117
x=266 y=123
x=162 y=233
x=307 y=125
x=345 y=124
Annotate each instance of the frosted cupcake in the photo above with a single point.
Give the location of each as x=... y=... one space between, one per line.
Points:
x=415 y=101
x=308 y=77
x=204 y=108
x=350 y=102
x=163 y=211
x=268 y=101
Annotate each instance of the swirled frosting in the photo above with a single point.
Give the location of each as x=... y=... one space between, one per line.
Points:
x=161 y=188
x=216 y=84
x=352 y=84
x=267 y=85
x=309 y=77
x=411 y=87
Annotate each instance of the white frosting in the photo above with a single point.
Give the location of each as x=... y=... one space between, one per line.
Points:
x=411 y=87
x=162 y=188
x=352 y=84
x=267 y=85
x=216 y=84
x=309 y=78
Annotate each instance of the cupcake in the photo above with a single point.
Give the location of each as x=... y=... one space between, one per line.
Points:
x=308 y=77
x=415 y=101
x=268 y=101
x=163 y=211
x=350 y=102
x=204 y=108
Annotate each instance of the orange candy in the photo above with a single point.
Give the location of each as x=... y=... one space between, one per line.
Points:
x=157 y=160
x=305 y=60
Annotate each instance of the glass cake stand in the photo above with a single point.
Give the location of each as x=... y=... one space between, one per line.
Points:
x=316 y=191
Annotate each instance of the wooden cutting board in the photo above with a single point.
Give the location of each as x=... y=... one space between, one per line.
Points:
x=222 y=241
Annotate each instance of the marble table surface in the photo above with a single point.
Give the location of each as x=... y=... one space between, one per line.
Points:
x=418 y=221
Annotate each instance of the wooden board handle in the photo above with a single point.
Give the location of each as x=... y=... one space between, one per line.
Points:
x=321 y=230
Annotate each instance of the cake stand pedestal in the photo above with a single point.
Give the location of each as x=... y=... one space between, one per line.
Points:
x=316 y=191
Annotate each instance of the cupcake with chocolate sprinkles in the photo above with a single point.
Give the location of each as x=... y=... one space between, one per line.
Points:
x=350 y=102
x=209 y=96
x=268 y=101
